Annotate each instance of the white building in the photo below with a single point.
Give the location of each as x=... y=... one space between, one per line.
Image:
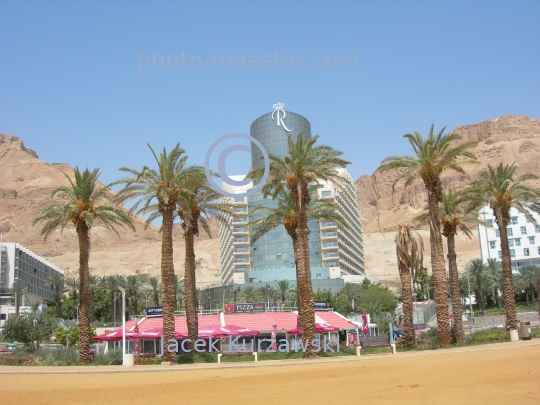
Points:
x=24 y=266
x=523 y=238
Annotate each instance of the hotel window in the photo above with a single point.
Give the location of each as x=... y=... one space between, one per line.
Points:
x=513 y=220
x=278 y=255
x=512 y=253
x=511 y=242
x=509 y=232
x=239 y=209
x=318 y=276
x=528 y=220
x=538 y=250
x=538 y=229
x=490 y=222
x=497 y=233
x=500 y=254
x=517 y=241
x=326 y=193
x=526 y=252
x=239 y=199
x=531 y=240
x=523 y=230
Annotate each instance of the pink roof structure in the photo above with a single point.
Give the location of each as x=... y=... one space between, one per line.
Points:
x=261 y=322
x=336 y=320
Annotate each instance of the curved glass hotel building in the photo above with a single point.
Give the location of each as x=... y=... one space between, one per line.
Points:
x=334 y=251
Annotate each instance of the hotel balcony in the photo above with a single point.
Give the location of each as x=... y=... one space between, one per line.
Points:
x=328 y=235
x=240 y=241
x=240 y=231
x=328 y=225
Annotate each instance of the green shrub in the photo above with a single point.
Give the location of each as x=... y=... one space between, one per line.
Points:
x=17 y=360
x=488 y=336
x=57 y=357
x=111 y=358
x=197 y=358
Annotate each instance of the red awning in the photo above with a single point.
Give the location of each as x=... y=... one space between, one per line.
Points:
x=113 y=336
x=216 y=331
x=319 y=328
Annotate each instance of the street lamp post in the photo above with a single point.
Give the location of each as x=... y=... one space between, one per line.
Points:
x=123 y=325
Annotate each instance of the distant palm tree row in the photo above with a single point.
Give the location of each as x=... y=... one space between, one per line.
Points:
x=449 y=212
x=486 y=279
x=139 y=289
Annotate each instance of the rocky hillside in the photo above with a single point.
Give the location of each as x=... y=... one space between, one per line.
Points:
x=26 y=184
x=506 y=139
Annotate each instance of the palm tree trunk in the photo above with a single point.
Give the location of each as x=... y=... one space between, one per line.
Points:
x=508 y=280
x=84 y=295
x=481 y=302
x=190 y=289
x=113 y=307
x=439 y=272
x=538 y=294
x=17 y=302
x=156 y=298
x=75 y=304
x=58 y=302
x=454 y=288
x=307 y=311
x=406 y=292
x=167 y=280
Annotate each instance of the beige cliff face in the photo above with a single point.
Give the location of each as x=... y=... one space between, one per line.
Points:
x=26 y=184
x=506 y=139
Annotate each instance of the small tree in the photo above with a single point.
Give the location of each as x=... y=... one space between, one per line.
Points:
x=30 y=329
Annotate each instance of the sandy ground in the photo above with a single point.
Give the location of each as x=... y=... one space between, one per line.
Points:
x=498 y=375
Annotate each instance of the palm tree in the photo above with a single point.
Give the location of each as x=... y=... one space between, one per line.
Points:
x=495 y=278
x=433 y=156
x=306 y=164
x=94 y=282
x=351 y=292
x=134 y=284
x=180 y=292
x=284 y=289
x=502 y=190
x=85 y=203
x=454 y=217
x=73 y=285
x=156 y=192
x=154 y=287
x=56 y=280
x=196 y=205
x=110 y=284
x=17 y=290
x=531 y=276
x=478 y=270
x=409 y=250
x=249 y=294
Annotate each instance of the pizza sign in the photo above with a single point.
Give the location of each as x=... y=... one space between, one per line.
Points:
x=249 y=308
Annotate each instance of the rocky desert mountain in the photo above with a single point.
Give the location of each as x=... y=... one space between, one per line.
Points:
x=506 y=139
x=26 y=183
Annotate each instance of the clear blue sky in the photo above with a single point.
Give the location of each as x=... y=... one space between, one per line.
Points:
x=72 y=89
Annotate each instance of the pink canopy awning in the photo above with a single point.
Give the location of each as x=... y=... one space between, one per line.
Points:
x=113 y=336
x=156 y=333
x=319 y=328
x=217 y=331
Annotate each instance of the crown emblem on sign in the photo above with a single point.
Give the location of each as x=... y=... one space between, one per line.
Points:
x=278 y=106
